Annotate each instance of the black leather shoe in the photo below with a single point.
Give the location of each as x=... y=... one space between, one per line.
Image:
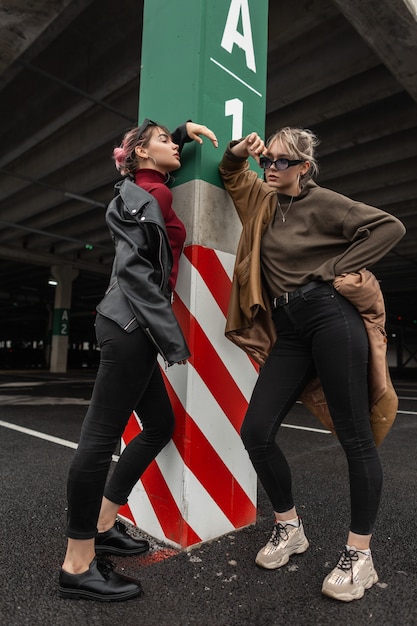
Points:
x=99 y=582
x=118 y=541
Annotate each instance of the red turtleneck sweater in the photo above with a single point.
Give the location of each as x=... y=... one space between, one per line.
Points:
x=153 y=182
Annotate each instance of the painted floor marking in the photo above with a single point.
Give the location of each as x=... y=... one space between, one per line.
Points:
x=20 y=400
x=44 y=436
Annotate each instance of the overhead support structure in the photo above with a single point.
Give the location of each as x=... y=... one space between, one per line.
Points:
x=389 y=27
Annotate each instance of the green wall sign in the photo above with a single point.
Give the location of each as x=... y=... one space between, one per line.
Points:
x=205 y=60
x=60 y=324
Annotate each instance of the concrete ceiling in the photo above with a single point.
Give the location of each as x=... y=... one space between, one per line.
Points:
x=69 y=84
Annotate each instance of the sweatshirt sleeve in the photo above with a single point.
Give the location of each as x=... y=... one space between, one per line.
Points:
x=244 y=186
x=372 y=233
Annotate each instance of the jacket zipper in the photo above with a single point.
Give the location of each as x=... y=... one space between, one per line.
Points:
x=147 y=330
x=151 y=337
x=130 y=322
x=160 y=261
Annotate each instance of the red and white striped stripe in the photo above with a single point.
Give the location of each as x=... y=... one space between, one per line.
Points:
x=202 y=485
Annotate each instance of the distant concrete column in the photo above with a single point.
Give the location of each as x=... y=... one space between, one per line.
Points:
x=203 y=485
x=64 y=275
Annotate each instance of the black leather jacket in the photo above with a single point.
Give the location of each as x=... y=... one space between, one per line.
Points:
x=138 y=292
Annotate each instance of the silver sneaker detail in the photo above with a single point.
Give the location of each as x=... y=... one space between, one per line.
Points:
x=353 y=574
x=285 y=540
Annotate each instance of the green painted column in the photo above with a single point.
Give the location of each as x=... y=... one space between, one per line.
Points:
x=203 y=60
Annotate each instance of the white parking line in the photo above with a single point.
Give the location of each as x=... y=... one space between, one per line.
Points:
x=312 y=430
x=20 y=400
x=44 y=436
x=39 y=435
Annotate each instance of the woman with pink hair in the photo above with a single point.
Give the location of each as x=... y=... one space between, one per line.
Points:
x=135 y=323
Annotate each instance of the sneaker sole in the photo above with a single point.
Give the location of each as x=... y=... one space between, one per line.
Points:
x=357 y=593
x=299 y=549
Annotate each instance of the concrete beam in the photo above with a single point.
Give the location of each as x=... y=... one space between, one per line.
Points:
x=28 y=23
x=378 y=153
x=38 y=258
x=352 y=93
x=390 y=28
x=299 y=73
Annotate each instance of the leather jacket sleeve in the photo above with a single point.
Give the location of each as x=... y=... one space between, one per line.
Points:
x=141 y=270
x=180 y=137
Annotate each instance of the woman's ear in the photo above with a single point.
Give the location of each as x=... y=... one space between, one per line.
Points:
x=141 y=152
x=305 y=168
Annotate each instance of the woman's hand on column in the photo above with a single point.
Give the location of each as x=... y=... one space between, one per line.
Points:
x=194 y=131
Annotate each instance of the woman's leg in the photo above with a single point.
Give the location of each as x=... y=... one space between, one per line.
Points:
x=157 y=419
x=340 y=350
x=286 y=372
x=126 y=365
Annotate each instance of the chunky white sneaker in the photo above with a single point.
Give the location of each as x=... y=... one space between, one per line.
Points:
x=286 y=540
x=353 y=574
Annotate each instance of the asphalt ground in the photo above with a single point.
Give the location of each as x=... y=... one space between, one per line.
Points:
x=216 y=584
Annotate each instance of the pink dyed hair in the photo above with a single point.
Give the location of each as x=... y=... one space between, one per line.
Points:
x=124 y=156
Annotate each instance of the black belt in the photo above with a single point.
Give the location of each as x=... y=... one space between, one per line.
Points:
x=287 y=297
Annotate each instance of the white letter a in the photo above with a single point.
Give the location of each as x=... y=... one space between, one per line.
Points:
x=232 y=36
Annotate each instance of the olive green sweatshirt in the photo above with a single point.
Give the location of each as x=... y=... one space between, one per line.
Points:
x=324 y=234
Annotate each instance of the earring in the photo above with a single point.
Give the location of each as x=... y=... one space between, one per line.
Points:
x=147 y=158
x=144 y=158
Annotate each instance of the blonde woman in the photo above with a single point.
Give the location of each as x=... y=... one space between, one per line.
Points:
x=297 y=237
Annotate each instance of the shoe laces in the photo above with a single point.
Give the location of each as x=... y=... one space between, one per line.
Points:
x=118 y=524
x=104 y=566
x=279 y=533
x=346 y=561
x=121 y=528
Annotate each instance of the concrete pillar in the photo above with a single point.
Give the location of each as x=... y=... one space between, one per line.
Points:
x=209 y=66
x=64 y=275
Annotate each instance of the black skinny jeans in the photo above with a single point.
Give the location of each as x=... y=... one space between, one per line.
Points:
x=128 y=379
x=318 y=332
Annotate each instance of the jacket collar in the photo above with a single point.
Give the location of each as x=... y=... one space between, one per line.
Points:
x=139 y=202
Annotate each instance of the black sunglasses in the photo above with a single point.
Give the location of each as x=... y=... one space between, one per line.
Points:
x=280 y=164
x=145 y=124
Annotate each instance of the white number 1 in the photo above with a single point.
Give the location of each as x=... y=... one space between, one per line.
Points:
x=235 y=109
